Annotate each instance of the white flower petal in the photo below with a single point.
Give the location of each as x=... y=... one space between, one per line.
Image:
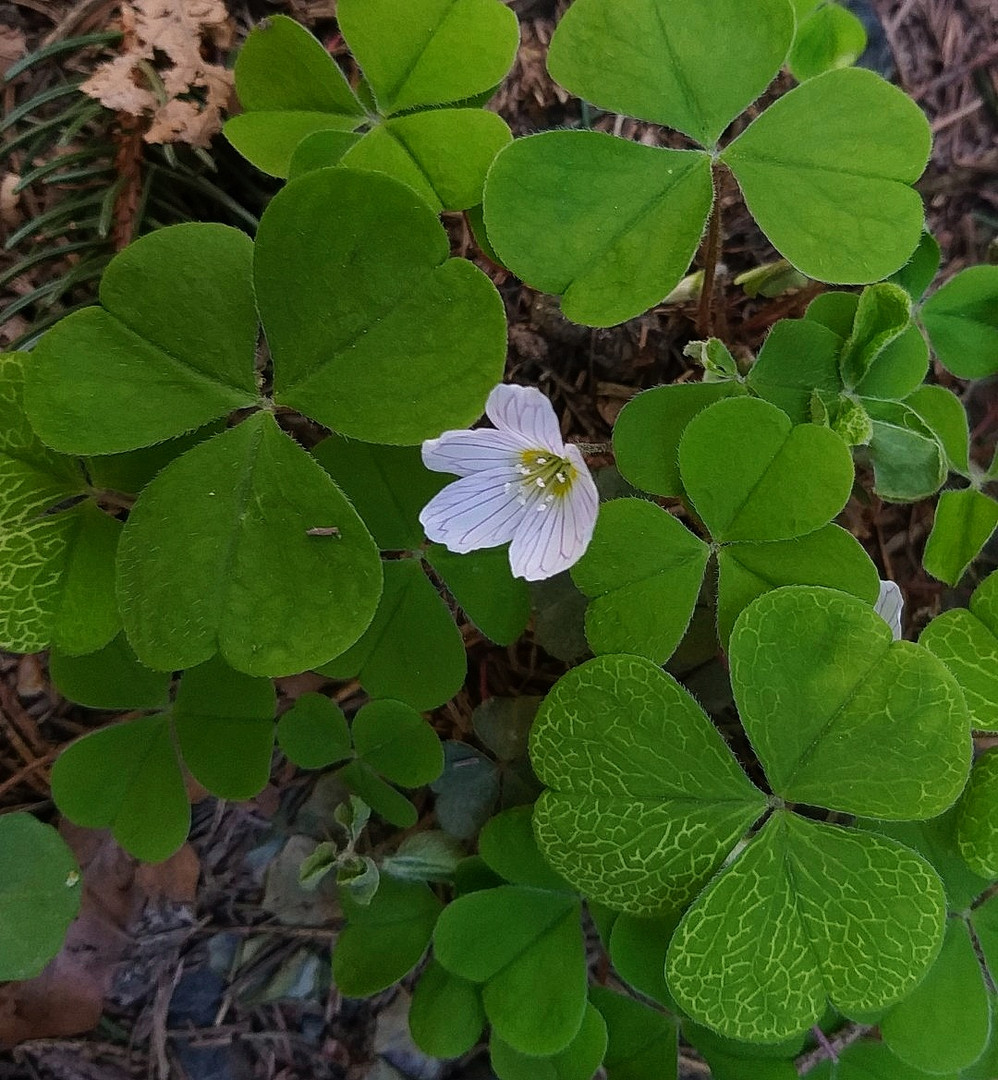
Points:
x=551 y=540
x=526 y=412
x=477 y=511
x=889 y=605
x=467 y=452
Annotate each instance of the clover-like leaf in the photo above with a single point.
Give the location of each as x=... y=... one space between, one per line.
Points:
x=826 y=172
x=578 y=1061
x=807 y=913
x=645 y=799
x=977 y=817
x=446 y=1016
x=945 y=415
x=289 y=87
x=313 y=733
x=964 y=522
x=215 y=585
x=224 y=722
x=830 y=557
x=394 y=739
x=126 y=777
x=641 y=1042
x=39 y=895
x=742 y=462
x=439 y=51
x=798 y=357
x=967 y=643
x=670 y=63
x=171 y=347
x=608 y=225
x=642 y=572
x=483 y=584
x=412 y=650
x=944 y=1024
x=962 y=322
x=378 y=794
x=647 y=432
x=508 y=846
x=519 y=941
x=817 y=675
x=830 y=37
x=908 y=461
x=110 y=678
x=374 y=330
x=637 y=948
x=918 y=272
x=883 y=313
x=384 y=939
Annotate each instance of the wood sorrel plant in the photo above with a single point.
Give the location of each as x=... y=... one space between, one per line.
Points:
x=811 y=858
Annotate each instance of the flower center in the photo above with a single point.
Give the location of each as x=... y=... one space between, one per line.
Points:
x=546 y=474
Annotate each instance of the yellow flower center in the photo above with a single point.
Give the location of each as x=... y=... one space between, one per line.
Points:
x=545 y=473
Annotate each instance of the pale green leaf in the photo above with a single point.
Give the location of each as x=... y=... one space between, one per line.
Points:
x=797 y=357
x=438 y=51
x=578 y=1061
x=412 y=649
x=742 y=462
x=216 y=584
x=962 y=321
x=446 y=1015
x=908 y=462
x=945 y=415
x=670 y=63
x=830 y=38
x=374 y=331
x=642 y=572
x=647 y=432
x=110 y=678
x=394 y=739
x=645 y=799
x=39 y=895
x=963 y=524
x=977 y=817
x=126 y=777
x=883 y=312
x=826 y=172
x=320 y=150
x=918 y=272
x=840 y=714
x=313 y=733
x=820 y=913
x=608 y=225
x=270 y=140
x=134 y=371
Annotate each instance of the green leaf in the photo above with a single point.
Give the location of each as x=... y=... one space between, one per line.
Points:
x=446 y=1015
x=967 y=643
x=484 y=586
x=870 y=1061
x=395 y=740
x=608 y=225
x=642 y=573
x=963 y=524
x=670 y=64
x=899 y=368
x=559 y=617
x=962 y=322
x=466 y=790
x=943 y=1026
x=126 y=777
x=844 y=415
x=39 y=895
x=321 y=150
x=503 y=724
x=111 y=678
x=825 y=172
x=908 y=462
x=918 y=272
x=977 y=817
x=129 y=472
x=289 y=86
x=443 y=154
x=647 y=432
x=645 y=798
x=439 y=51
x=425 y=856
x=944 y=414
x=742 y=462
x=387 y=485
x=385 y=939
x=412 y=342
x=313 y=733
x=508 y=846
x=641 y=1043
x=224 y=722
x=830 y=38
x=578 y=1061
x=819 y=911
x=817 y=676
x=133 y=372
x=215 y=584
x=830 y=557
x=637 y=950
x=521 y=944
x=798 y=357
x=380 y=796
x=882 y=314
x=412 y=650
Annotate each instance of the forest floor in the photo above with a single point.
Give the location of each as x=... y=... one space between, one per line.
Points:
x=214 y=965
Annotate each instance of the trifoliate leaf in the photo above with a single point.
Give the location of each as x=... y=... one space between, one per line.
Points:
x=313 y=733
x=798 y=357
x=508 y=846
x=483 y=584
x=446 y=1015
x=111 y=678
x=962 y=322
x=578 y=1061
x=380 y=796
x=963 y=524
x=395 y=740
x=244 y=576
x=830 y=38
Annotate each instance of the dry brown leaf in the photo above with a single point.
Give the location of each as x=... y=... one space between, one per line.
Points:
x=162 y=77
x=12 y=47
x=10 y=211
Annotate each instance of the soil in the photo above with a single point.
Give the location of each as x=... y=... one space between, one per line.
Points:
x=203 y=967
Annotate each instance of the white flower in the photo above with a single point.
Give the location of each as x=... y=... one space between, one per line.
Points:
x=519 y=482
x=888 y=607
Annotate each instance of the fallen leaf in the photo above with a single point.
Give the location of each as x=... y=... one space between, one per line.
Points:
x=10 y=209
x=12 y=47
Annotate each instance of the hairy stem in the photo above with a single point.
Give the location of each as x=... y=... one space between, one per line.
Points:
x=711 y=254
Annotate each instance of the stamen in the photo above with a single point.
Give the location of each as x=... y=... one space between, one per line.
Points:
x=542 y=506
x=560 y=477
x=540 y=482
x=542 y=461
